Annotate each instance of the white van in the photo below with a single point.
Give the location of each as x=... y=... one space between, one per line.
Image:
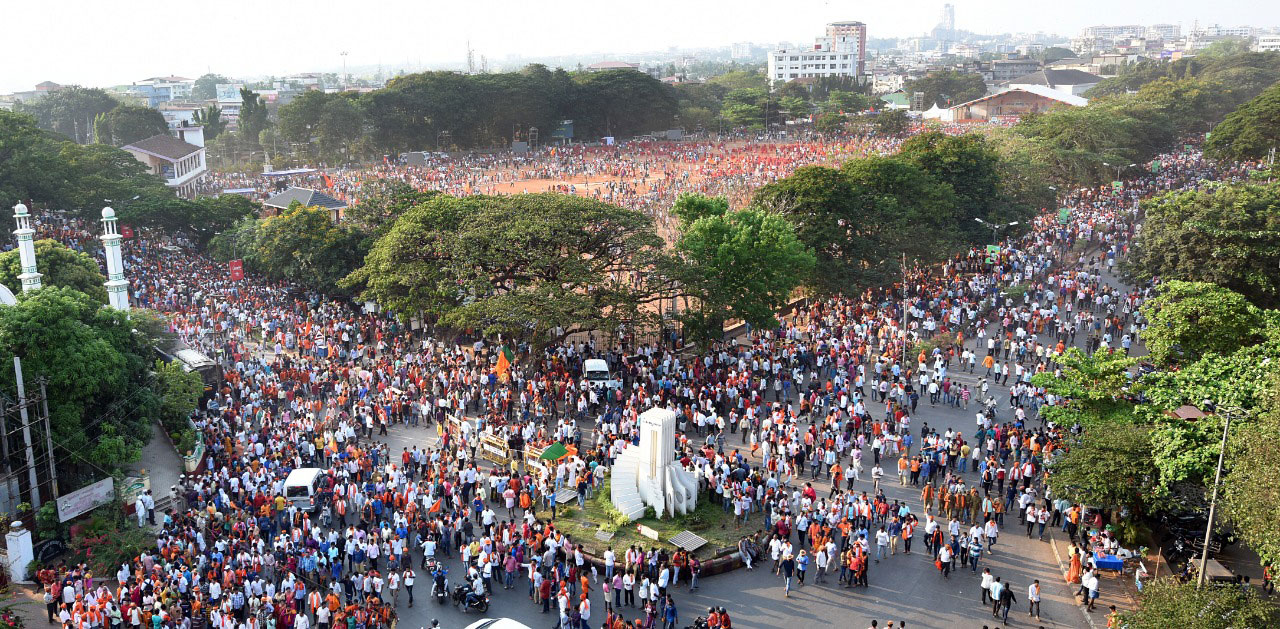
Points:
x=301 y=487
x=597 y=374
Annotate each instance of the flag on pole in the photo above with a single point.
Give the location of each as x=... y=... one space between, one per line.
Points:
x=435 y=508
x=505 y=356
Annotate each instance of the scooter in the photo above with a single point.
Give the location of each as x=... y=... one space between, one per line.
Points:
x=465 y=598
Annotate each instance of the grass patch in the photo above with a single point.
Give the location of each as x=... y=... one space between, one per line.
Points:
x=707 y=520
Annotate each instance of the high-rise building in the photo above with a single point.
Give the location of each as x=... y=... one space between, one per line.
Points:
x=948 y=22
x=1113 y=32
x=841 y=52
x=1165 y=31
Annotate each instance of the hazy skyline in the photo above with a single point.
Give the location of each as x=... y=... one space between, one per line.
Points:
x=97 y=43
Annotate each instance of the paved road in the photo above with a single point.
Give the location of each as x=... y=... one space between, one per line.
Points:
x=903 y=588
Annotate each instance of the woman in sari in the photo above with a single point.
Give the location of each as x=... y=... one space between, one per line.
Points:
x=1073 y=573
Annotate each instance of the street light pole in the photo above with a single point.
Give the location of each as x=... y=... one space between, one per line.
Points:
x=1213 y=501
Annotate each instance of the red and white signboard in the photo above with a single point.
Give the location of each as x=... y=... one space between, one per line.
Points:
x=126 y=231
x=237 y=270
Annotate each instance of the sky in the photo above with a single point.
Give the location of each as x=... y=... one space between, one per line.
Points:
x=113 y=42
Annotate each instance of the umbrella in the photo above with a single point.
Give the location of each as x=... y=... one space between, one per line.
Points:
x=554 y=452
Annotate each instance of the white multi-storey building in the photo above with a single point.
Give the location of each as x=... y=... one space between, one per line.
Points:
x=841 y=52
x=1268 y=43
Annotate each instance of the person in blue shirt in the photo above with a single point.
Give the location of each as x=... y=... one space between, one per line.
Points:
x=669 y=614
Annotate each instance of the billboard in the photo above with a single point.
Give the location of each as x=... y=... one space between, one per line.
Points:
x=85 y=499
x=564 y=130
x=237 y=269
x=228 y=92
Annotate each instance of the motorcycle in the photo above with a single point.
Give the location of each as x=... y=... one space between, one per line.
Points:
x=465 y=598
x=440 y=586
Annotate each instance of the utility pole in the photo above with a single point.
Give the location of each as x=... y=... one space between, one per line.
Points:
x=904 y=309
x=26 y=434
x=48 y=439
x=1213 y=502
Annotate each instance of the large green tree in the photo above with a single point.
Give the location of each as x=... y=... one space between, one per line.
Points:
x=60 y=266
x=1239 y=383
x=1082 y=143
x=948 y=87
x=971 y=166
x=206 y=87
x=97 y=362
x=50 y=171
x=381 y=202
x=200 y=219
x=622 y=103
x=211 y=118
x=1188 y=320
x=127 y=124
x=861 y=218
x=302 y=245
x=1108 y=465
x=740 y=264
x=1251 y=488
x=1251 y=131
x=1167 y=603
x=253 y=116
x=1095 y=388
x=1228 y=235
x=70 y=111
x=534 y=266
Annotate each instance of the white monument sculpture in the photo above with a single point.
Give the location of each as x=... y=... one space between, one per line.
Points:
x=648 y=474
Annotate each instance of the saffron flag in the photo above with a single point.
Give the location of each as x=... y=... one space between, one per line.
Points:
x=435 y=508
x=504 y=362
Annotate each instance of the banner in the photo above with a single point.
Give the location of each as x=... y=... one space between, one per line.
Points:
x=85 y=499
x=126 y=231
x=237 y=269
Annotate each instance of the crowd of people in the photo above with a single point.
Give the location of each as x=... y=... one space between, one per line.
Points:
x=827 y=398
x=644 y=175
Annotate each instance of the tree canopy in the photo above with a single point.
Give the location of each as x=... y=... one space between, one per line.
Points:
x=740 y=264
x=1252 y=485
x=947 y=87
x=301 y=244
x=1188 y=320
x=533 y=266
x=1251 y=131
x=1167 y=603
x=70 y=111
x=60 y=266
x=1109 y=465
x=126 y=124
x=1227 y=235
x=859 y=219
x=97 y=360
x=206 y=87
x=40 y=166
